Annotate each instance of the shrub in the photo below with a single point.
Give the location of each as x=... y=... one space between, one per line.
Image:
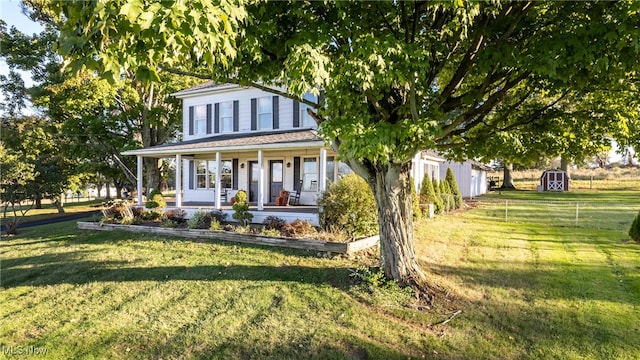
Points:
x=274 y=223
x=176 y=215
x=157 y=201
x=455 y=190
x=634 y=232
x=438 y=204
x=217 y=215
x=428 y=196
x=415 y=200
x=445 y=194
x=169 y=223
x=215 y=225
x=270 y=232
x=152 y=215
x=199 y=220
x=241 y=208
x=299 y=228
x=349 y=205
x=118 y=211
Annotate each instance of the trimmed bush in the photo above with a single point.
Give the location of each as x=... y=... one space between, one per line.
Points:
x=215 y=225
x=428 y=196
x=455 y=190
x=447 y=197
x=241 y=208
x=634 y=232
x=438 y=204
x=348 y=205
x=157 y=201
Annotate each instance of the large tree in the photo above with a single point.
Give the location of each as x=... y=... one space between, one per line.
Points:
x=396 y=77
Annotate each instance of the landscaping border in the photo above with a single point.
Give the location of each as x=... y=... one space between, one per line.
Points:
x=256 y=239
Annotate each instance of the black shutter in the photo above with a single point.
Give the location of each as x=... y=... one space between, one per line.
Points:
x=296 y=113
x=192 y=170
x=236 y=116
x=234 y=174
x=216 y=119
x=190 y=120
x=254 y=114
x=296 y=172
x=208 y=118
x=276 y=113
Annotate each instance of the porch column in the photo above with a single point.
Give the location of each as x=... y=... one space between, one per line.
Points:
x=139 y=179
x=322 y=178
x=178 y=180
x=217 y=181
x=260 y=182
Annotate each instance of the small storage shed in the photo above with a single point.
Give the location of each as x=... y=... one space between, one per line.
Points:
x=554 y=180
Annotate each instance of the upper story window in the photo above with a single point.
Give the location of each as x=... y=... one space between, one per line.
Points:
x=265 y=113
x=305 y=119
x=200 y=119
x=226 y=116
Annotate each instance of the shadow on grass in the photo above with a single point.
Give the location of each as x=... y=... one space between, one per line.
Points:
x=551 y=281
x=68 y=268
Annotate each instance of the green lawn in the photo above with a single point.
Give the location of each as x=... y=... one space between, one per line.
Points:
x=527 y=290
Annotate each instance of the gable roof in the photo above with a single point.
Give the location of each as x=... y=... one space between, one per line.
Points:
x=289 y=139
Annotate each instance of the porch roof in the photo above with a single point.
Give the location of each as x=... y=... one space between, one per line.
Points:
x=289 y=139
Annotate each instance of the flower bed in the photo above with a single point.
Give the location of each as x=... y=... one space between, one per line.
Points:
x=315 y=245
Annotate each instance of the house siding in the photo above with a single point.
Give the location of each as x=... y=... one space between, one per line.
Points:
x=283 y=119
x=471 y=181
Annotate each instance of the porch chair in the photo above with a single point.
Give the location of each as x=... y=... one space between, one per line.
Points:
x=294 y=197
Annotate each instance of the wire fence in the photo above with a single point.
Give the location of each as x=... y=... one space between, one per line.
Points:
x=605 y=216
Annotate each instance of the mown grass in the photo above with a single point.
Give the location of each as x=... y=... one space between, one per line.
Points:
x=49 y=211
x=527 y=291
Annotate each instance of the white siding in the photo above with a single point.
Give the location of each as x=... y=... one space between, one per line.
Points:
x=244 y=96
x=471 y=181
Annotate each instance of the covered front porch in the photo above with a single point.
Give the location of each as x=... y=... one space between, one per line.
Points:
x=261 y=164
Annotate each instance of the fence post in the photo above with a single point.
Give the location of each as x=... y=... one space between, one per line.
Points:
x=506 y=210
x=577 y=208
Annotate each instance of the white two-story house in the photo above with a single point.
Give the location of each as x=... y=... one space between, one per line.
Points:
x=242 y=138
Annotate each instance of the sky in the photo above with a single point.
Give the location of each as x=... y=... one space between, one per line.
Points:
x=11 y=13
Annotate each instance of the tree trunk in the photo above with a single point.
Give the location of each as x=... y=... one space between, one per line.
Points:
x=564 y=165
x=107 y=186
x=58 y=202
x=392 y=191
x=152 y=168
x=38 y=204
x=507 y=181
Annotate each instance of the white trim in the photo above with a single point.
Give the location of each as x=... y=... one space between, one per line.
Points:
x=139 y=179
x=260 y=182
x=178 y=180
x=283 y=146
x=217 y=183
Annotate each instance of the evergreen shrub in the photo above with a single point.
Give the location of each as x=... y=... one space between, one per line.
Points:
x=634 y=232
x=348 y=205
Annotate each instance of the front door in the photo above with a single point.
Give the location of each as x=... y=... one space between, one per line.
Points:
x=254 y=175
x=275 y=179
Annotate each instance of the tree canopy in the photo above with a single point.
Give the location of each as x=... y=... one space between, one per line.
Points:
x=396 y=76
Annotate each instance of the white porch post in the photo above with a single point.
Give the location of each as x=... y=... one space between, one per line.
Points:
x=322 y=179
x=178 y=180
x=139 y=179
x=217 y=181
x=260 y=182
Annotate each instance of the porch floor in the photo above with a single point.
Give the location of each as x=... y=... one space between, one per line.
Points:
x=304 y=209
